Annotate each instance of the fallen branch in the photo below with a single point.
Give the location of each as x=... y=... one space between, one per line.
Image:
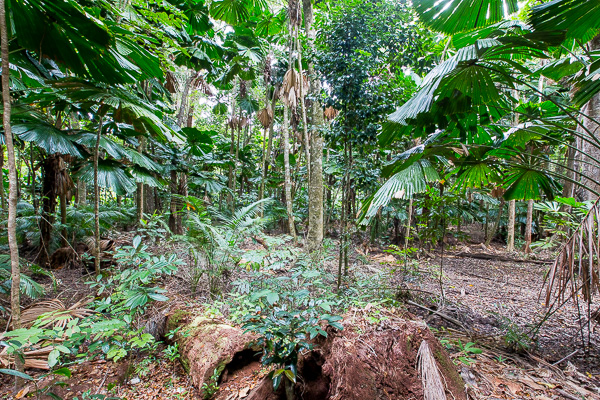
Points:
x=496 y=257
x=444 y=316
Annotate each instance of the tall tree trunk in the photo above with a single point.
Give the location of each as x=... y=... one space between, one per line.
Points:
x=97 y=201
x=510 y=240
x=231 y=177
x=261 y=189
x=140 y=186
x=2 y=194
x=34 y=199
x=528 y=226
x=591 y=114
x=50 y=171
x=288 y=177
x=267 y=148
x=315 y=183
x=496 y=224
x=139 y=200
x=63 y=218
x=303 y=107
x=174 y=217
x=408 y=223
x=15 y=296
x=81 y=192
x=149 y=200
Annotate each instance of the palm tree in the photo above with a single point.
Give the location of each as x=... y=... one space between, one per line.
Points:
x=15 y=300
x=473 y=88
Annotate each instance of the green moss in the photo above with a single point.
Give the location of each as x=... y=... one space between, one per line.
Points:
x=176 y=319
x=449 y=370
x=185 y=364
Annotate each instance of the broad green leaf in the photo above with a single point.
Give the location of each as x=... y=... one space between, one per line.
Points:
x=454 y=16
x=16 y=373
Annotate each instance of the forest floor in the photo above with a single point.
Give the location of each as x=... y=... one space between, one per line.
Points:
x=490 y=303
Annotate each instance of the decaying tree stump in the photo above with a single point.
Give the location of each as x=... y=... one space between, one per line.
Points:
x=207 y=345
x=395 y=359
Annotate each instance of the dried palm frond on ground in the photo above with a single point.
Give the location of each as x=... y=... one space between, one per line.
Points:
x=576 y=269
x=36 y=358
x=53 y=313
x=433 y=387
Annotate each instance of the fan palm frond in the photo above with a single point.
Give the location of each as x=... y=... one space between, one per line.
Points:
x=47 y=137
x=29 y=287
x=110 y=175
x=450 y=17
x=53 y=313
x=404 y=184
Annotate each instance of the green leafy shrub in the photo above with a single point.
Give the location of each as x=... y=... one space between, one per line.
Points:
x=287 y=312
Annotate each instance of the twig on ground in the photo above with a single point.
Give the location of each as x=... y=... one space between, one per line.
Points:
x=444 y=316
x=566 y=357
x=102 y=383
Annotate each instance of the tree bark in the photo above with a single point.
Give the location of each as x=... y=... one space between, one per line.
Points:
x=591 y=113
x=50 y=172
x=267 y=147
x=510 y=241
x=63 y=218
x=496 y=224
x=408 y=222
x=174 y=217
x=97 y=201
x=15 y=297
x=528 y=224
x=81 y=192
x=2 y=194
x=315 y=183
x=303 y=107
x=288 y=177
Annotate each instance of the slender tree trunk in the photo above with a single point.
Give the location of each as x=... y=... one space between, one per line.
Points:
x=2 y=194
x=174 y=209
x=510 y=241
x=267 y=148
x=15 y=294
x=528 y=224
x=261 y=190
x=496 y=224
x=50 y=172
x=231 y=177
x=140 y=186
x=408 y=222
x=315 y=184
x=34 y=199
x=289 y=389
x=82 y=192
x=97 y=201
x=63 y=218
x=288 y=177
x=486 y=225
x=303 y=107
x=184 y=98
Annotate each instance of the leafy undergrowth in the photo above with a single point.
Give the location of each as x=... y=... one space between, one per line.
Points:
x=494 y=303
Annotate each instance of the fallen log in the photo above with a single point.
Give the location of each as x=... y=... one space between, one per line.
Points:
x=208 y=345
x=361 y=362
x=496 y=257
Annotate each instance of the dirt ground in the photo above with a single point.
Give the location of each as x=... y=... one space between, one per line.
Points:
x=489 y=302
